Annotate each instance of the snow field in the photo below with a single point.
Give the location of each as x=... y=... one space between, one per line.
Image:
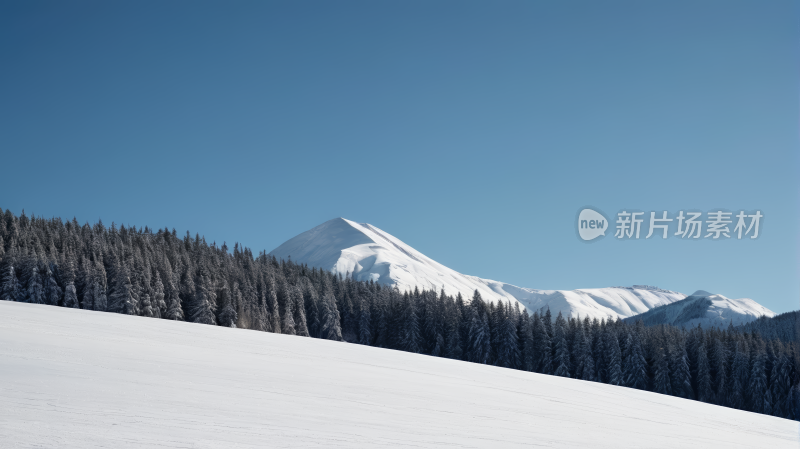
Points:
x=83 y=379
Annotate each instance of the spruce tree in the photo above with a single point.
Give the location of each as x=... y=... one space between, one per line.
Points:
x=70 y=296
x=52 y=291
x=410 y=338
x=612 y=357
x=757 y=393
x=561 y=360
x=34 y=287
x=525 y=339
x=705 y=393
x=331 y=327
x=274 y=309
x=299 y=309
x=159 y=305
x=364 y=323
x=11 y=290
x=542 y=350
x=204 y=302
x=719 y=372
x=507 y=352
x=661 y=378
x=635 y=365
x=587 y=363
x=227 y=315
x=739 y=374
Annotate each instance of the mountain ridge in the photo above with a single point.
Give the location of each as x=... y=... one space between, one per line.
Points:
x=365 y=252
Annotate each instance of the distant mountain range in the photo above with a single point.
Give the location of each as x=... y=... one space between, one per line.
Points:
x=365 y=252
x=706 y=309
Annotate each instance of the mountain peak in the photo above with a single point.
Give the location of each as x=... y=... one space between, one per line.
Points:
x=702 y=293
x=364 y=252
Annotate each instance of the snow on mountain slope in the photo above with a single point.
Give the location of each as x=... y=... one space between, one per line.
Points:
x=608 y=303
x=72 y=378
x=366 y=252
x=706 y=309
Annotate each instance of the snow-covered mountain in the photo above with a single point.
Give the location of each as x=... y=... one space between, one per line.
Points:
x=706 y=309
x=365 y=252
x=75 y=378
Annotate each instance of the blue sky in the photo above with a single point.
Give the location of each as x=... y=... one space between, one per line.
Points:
x=473 y=131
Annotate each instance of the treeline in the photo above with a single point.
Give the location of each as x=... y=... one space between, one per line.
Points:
x=785 y=326
x=158 y=274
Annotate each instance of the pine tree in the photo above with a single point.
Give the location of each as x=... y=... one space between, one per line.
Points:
x=123 y=300
x=739 y=379
x=542 y=352
x=312 y=307
x=174 y=309
x=525 y=338
x=11 y=290
x=331 y=328
x=300 y=323
x=287 y=325
x=227 y=315
x=757 y=392
x=35 y=289
x=507 y=353
x=159 y=305
x=561 y=360
x=635 y=365
x=274 y=309
x=409 y=326
x=612 y=358
x=51 y=289
x=204 y=302
x=661 y=379
x=680 y=372
x=587 y=362
x=479 y=335
x=780 y=385
x=704 y=391
x=70 y=296
x=719 y=372
x=364 y=324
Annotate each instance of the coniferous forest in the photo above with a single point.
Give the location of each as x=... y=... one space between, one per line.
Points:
x=161 y=275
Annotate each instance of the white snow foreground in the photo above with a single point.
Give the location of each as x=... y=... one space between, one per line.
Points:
x=74 y=378
x=365 y=252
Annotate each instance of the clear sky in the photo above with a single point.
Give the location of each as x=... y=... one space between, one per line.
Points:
x=473 y=131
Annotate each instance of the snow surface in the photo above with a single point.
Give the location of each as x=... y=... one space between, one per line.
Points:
x=707 y=309
x=366 y=253
x=73 y=378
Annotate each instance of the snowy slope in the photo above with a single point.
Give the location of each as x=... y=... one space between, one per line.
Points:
x=366 y=252
x=73 y=378
x=706 y=309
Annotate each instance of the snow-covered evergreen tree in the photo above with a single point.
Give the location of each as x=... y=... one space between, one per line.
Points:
x=10 y=289
x=561 y=360
x=542 y=349
x=159 y=305
x=227 y=315
x=204 y=302
x=525 y=339
x=635 y=366
x=70 y=296
x=34 y=287
x=704 y=391
x=52 y=290
x=612 y=357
